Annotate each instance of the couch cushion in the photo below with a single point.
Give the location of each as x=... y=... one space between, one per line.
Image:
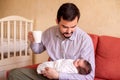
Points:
x=108 y=57
x=95 y=40
x=99 y=79
x=34 y=66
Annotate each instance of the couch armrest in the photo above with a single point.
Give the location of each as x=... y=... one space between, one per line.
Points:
x=34 y=66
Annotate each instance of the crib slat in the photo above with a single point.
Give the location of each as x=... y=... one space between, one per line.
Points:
x=20 y=36
x=14 y=24
x=31 y=29
x=26 y=30
x=8 y=38
x=31 y=26
x=1 y=40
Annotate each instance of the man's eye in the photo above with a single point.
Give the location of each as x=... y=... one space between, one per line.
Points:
x=64 y=27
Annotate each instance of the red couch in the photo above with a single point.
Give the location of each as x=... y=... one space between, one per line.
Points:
x=107 y=57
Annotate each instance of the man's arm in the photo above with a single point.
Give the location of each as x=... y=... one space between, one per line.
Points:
x=75 y=76
x=37 y=47
x=53 y=74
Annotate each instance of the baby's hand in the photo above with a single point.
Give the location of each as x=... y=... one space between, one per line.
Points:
x=40 y=71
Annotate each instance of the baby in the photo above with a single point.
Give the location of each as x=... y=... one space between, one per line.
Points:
x=80 y=66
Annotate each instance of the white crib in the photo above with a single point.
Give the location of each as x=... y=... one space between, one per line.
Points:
x=14 y=45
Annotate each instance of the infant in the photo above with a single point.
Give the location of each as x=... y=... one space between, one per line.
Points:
x=80 y=66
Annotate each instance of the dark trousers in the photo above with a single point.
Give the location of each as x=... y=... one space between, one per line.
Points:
x=25 y=74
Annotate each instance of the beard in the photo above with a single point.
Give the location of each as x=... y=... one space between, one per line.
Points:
x=67 y=35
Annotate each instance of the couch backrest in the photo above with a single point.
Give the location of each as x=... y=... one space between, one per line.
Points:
x=107 y=58
x=95 y=40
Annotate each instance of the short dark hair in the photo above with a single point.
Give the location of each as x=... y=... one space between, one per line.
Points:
x=85 y=70
x=68 y=11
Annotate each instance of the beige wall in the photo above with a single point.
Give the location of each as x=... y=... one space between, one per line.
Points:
x=97 y=16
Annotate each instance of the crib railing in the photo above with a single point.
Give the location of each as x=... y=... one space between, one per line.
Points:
x=14 y=28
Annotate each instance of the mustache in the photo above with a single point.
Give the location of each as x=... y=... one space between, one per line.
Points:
x=67 y=33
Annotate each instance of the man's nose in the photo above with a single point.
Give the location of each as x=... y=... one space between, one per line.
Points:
x=69 y=30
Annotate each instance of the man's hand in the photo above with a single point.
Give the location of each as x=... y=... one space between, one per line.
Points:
x=30 y=37
x=50 y=73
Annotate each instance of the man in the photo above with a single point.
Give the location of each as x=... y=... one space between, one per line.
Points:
x=63 y=41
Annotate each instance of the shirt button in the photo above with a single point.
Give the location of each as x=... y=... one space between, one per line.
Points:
x=63 y=42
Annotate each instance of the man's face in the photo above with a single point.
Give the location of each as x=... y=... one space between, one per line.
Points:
x=67 y=27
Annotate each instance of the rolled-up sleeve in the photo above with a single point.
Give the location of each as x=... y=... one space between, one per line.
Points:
x=37 y=47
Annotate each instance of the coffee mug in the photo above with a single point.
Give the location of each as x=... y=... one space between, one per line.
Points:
x=37 y=36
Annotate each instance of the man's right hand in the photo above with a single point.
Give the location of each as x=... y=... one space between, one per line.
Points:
x=30 y=37
x=50 y=73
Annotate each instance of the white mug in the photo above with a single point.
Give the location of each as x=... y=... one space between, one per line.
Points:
x=37 y=36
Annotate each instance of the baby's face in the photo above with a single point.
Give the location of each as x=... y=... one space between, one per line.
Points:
x=79 y=62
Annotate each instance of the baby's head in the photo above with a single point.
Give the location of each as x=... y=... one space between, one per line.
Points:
x=83 y=66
